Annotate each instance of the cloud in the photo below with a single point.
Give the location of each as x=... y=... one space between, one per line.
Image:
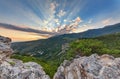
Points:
x=84 y=28
x=61 y=13
x=107 y=21
x=64 y=29
x=20 y=36
x=78 y=19
x=53 y=6
x=90 y=21
x=65 y=20
x=13 y=27
x=51 y=21
x=56 y=20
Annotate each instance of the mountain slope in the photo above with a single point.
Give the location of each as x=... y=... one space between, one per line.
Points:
x=107 y=44
x=50 y=48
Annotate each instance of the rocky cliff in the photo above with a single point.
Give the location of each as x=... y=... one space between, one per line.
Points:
x=16 y=69
x=92 y=67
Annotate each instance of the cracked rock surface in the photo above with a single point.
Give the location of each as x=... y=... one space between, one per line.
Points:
x=92 y=67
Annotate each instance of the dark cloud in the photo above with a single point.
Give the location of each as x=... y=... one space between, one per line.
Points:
x=64 y=30
x=13 y=27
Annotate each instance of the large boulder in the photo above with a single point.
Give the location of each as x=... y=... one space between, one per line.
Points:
x=16 y=69
x=92 y=67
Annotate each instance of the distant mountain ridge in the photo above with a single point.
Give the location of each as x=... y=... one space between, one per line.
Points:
x=47 y=48
x=95 y=32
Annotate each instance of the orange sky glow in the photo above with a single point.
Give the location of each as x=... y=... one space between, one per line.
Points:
x=19 y=36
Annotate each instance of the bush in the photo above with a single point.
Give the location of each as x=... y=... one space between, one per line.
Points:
x=84 y=47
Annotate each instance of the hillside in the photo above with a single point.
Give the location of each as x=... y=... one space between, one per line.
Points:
x=51 y=47
x=107 y=44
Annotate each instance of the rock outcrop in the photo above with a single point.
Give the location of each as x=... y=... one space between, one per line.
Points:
x=16 y=69
x=92 y=67
x=5 y=50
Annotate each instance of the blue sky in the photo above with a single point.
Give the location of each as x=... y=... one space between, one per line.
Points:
x=45 y=18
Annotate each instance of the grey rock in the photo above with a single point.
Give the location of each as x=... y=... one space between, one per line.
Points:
x=16 y=69
x=92 y=67
x=5 y=50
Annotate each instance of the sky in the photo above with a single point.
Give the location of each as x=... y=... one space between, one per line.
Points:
x=25 y=20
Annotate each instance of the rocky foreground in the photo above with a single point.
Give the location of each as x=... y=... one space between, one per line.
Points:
x=16 y=69
x=92 y=67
